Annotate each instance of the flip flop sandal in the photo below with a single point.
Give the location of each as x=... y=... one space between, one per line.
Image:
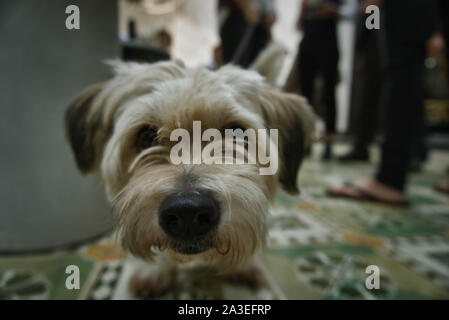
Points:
x=439 y=187
x=364 y=196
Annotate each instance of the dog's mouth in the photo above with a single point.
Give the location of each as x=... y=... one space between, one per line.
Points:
x=191 y=248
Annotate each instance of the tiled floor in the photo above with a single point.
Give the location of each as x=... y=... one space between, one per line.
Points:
x=318 y=248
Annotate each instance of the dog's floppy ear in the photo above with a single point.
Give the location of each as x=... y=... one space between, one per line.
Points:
x=90 y=119
x=294 y=118
x=83 y=129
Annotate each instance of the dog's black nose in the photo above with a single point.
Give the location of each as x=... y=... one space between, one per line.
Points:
x=189 y=215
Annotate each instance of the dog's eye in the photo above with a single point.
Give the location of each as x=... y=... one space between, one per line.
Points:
x=146 y=138
x=235 y=127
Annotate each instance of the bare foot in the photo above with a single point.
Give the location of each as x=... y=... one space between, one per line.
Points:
x=443 y=186
x=380 y=191
x=369 y=189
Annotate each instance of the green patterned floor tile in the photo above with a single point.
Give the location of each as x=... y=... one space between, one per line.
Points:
x=339 y=272
x=318 y=248
x=41 y=277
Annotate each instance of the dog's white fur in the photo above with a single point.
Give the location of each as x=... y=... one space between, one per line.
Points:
x=102 y=127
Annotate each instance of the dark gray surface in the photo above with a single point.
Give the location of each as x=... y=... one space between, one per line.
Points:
x=44 y=200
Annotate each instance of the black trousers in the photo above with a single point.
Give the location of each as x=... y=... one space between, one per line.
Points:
x=366 y=86
x=318 y=56
x=231 y=35
x=443 y=10
x=408 y=25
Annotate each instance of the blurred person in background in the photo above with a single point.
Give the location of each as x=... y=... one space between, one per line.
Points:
x=366 y=96
x=318 y=56
x=406 y=28
x=438 y=43
x=366 y=88
x=163 y=40
x=245 y=29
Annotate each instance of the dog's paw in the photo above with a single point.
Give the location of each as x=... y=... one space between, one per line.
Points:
x=153 y=285
x=251 y=277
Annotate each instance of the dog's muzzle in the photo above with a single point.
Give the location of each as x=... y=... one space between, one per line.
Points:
x=188 y=218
